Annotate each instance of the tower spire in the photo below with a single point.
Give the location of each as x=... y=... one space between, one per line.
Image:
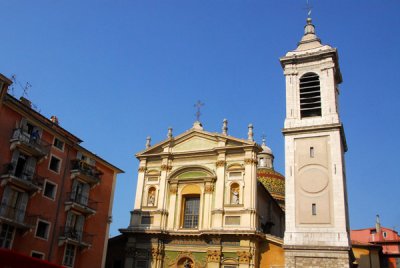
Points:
x=309 y=40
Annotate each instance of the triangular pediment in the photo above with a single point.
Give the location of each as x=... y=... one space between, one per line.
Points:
x=195 y=143
x=195 y=140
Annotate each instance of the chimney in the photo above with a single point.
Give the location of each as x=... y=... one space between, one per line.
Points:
x=54 y=119
x=378 y=225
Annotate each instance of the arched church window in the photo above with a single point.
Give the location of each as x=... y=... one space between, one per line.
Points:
x=151 y=197
x=310 y=95
x=235 y=192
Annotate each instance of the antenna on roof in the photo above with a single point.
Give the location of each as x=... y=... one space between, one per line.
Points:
x=25 y=88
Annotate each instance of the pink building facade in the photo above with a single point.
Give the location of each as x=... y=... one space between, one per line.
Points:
x=387 y=238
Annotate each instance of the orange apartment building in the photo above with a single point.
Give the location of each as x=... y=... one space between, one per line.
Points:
x=56 y=196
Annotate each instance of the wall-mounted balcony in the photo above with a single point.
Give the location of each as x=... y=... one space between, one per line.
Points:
x=86 y=172
x=80 y=203
x=29 y=143
x=16 y=217
x=70 y=235
x=31 y=183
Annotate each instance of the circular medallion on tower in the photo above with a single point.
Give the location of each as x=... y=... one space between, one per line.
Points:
x=313 y=179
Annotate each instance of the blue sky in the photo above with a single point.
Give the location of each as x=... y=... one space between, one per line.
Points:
x=117 y=71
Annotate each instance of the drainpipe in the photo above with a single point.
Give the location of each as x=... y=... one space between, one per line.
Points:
x=59 y=203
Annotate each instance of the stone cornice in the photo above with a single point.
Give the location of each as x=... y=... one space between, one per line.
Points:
x=316 y=129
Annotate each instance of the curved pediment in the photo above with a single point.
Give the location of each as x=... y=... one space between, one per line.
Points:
x=192 y=173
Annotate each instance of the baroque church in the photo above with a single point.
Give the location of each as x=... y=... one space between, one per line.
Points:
x=208 y=199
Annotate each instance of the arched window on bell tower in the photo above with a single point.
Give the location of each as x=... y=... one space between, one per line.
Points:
x=310 y=95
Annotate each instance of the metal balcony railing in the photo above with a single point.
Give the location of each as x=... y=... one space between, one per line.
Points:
x=82 y=200
x=27 y=178
x=87 y=170
x=32 y=141
x=77 y=236
x=16 y=216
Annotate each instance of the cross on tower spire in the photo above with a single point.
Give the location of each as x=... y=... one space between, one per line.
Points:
x=308 y=8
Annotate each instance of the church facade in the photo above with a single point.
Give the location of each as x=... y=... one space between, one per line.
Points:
x=208 y=199
x=199 y=203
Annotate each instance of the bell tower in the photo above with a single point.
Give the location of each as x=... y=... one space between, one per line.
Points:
x=317 y=227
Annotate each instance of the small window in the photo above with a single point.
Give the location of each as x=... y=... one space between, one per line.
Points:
x=312 y=152
x=55 y=164
x=314 y=209
x=37 y=255
x=58 y=144
x=50 y=190
x=384 y=234
x=69 y=255
x=42 y=230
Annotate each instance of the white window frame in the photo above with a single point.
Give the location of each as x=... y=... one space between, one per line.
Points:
x=65 y=251
x=59 y=167
x=38 y=252
x=46 y=238
x=55 y=189
x=59 y=149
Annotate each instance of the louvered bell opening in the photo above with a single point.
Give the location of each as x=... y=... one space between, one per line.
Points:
x=310 y=95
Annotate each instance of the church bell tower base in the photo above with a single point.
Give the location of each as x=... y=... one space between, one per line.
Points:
x=314 y=257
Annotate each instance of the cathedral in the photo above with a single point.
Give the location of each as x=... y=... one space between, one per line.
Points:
x=207 y=199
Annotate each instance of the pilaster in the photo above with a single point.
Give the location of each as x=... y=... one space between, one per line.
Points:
x=217 y=215
x=140 y=184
